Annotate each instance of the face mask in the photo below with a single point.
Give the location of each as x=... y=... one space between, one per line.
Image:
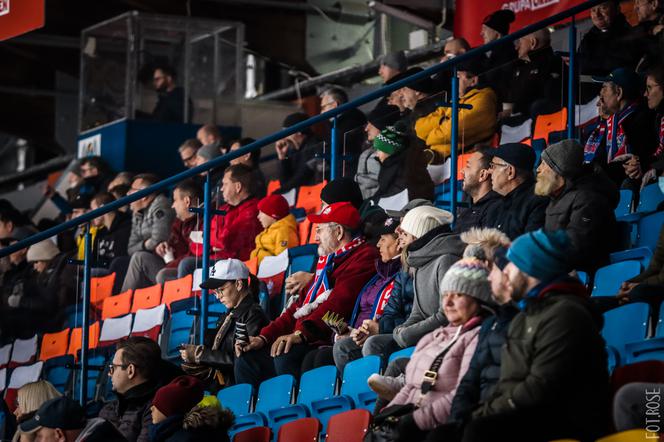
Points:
x=660 y=181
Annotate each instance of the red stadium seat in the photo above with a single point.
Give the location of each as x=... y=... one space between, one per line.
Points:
x=256 y=434
x=349 y=426
x=301 y=430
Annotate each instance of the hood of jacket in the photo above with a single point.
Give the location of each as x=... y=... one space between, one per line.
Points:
x=440 y=241
x=210 y=417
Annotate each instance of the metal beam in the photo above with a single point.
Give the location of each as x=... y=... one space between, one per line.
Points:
x=336 y=13
x=403 y=15
x=46 y=40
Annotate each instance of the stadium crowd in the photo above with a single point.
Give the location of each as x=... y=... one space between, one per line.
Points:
x=507 y=339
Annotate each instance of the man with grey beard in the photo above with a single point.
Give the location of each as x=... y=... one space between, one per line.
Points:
x=345 y=265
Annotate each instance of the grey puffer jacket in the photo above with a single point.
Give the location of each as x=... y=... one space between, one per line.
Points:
x=429 y=258
x=151 y=226
x=368 y=168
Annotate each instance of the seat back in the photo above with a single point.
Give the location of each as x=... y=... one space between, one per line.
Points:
x=659 y=328
x=628 y=323
x=20 y=376
x=54 y=345
x=317 y=384
x=349 y=426
x=609 y=278
x=302 y=258
x=97 y=361
x=304 y=430
x=101 y=287
x=148 y=322
x=256 y=434
x=275 y=393
x=58 y=371
x=236 y=398
x=147 y=297
x=308 y=198
x=176 y=290
x=273 y=185
x=645 y=371
x=545 y=124
x=648 y=229
x=75 y=338
x=178 y=329
x=649 y=198
x=115 y=329
x=516 y=134
x=24 y=352
x=118 y=305
x=5 y=355
x=624 y=206
x=303 y=231
x=355 y=377
x=252 y=265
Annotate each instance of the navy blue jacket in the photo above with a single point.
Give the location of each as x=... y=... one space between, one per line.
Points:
x=399 y=305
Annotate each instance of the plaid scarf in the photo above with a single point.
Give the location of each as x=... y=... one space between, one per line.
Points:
x=610 y=133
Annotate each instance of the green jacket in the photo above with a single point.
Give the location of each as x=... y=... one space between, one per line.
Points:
x=554 y=361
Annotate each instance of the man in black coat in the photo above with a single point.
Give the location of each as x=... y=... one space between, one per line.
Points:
x=500 y=61
x=582 y=203
x=519 y=210
x=297 y=155
x=477 y=185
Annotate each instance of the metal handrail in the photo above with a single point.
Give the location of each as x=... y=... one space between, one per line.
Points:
x=225 y=159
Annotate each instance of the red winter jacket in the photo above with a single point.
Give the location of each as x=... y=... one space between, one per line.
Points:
x=351 y=272
x=179 y=238
x=233 y=235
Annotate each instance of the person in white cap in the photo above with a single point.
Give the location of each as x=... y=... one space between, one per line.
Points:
x=236 y=288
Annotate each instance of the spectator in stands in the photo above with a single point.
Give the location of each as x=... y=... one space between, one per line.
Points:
x=94 y=179
x=475 y=125
x=10 y=218
x=368 y=166
x=134 y=373
x=430 y=249
x=582 y=203
x=655 y=96
x=465 y=300
x=553 y=379
x=624 y=143
x=206 y=153
x=500 y=61
x=121 y=179
x=233 y=235
x=418 y=97
x=170 y=97
x=79 y=206
x=151 y=216
x=209 y=135
x=341 y=190
x=29 y=398
x=537 y=79
x=296 y=155
x=114 y=228
x=396 y=173
x=180 y=413
x=477 y=185
x=453 y=48
x=280 y=228
x=350 y=127
x=187 y=151
x=648 y=31
x=392 y=64
x=161 y=264
x=251 y=160
x=609 y=44
x=236 y=288
x=520 y=210
x=374 y=312
x=346 y=264
x=63 y=420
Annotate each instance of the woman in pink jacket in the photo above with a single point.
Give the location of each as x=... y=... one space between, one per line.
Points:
x=447 y=351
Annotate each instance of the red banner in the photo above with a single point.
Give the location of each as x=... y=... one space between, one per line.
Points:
x=470 y=14
x=20 y=16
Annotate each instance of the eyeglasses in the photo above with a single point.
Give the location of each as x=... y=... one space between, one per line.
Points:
x=493 y=165
x=112 y=367
x=221 y=289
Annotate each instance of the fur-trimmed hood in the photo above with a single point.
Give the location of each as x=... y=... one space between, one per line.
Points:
x=213 y=417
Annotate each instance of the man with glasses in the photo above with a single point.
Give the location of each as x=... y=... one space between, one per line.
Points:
x=134 y=372
x=520 y=210
x=188 y=151
x=170 y=101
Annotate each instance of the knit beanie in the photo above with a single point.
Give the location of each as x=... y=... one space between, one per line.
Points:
x=565 y=158
x=542 y=255
x=209 y=151
x=340 y=190
x=389 y=140
x=274 y=206
x=500 y=21
x=395 y=60
x=469 y=276
x=421 y=220
x=42 y=251
x=178 y=397
x=384 y=115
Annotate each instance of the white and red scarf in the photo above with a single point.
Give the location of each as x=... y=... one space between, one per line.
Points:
x=611 y=134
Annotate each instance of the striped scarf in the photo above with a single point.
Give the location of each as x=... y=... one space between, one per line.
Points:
x=610 y=133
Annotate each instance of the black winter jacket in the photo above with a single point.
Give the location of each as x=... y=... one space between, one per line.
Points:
x=130 y=413
x=484 y=369
x=554 y=362
x=113 y=242
x=585 y=209
x=483 y=213
x=298 y=169
x=399 y=305
x=521 y=211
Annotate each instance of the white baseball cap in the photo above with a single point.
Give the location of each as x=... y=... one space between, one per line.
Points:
x=225 y=270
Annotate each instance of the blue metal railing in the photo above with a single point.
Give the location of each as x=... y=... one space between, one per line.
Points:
x=331 y=114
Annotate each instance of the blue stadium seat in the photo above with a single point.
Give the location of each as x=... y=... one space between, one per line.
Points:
x=302 y=258
x=646 y=350
x=624 y=207
x=583 y=277
x=641 y=254
x=609 y=278
x=355 y=392
x=649 y=198
x=58 y=371
x=623 y=325
x=315 y=385
x=405 y=353
x=236 y=398
x=73 y=316
x=97 y=360
x=273 y=394
x=178 y=329
x=659 y=327
x=648 y=229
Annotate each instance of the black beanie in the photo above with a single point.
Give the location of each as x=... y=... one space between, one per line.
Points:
x=384 y=115
x=500 y=21
x=293 y=119
x=342 y=190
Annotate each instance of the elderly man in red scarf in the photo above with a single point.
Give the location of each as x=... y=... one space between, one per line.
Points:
x=345 y=265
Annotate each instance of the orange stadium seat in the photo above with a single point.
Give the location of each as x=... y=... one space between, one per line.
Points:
x=545 y=124
x=252 y=265
x=176 y=290
x=147 y=297
x=273 y=185
x=308 y=198
x=54 y=344
x=75 y=339
x=100 y=288
x=118 y=305
x=303 y=231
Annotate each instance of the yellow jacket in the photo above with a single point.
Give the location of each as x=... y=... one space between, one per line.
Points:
x=80 y=241
x=475 y=125
x=275 y=239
